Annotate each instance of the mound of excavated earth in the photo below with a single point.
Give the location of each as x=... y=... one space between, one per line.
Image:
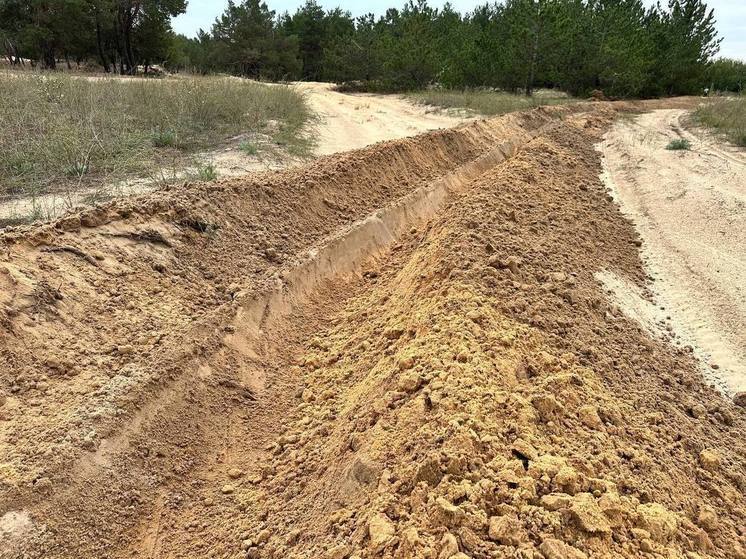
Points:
x=401 y=351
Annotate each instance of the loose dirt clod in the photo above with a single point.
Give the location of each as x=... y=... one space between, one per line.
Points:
x=410 y=398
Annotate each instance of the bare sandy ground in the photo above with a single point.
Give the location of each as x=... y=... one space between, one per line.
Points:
x=345 y=122
x=690 y=209
x=355 y=121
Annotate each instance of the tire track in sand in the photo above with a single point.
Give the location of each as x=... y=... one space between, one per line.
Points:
x=690 y=209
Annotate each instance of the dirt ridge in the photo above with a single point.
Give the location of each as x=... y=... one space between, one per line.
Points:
x=155 y=240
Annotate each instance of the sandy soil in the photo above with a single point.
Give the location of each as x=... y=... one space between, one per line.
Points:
x=690 y=209
x=355 y=121
x=398 y=352
x=345 y=122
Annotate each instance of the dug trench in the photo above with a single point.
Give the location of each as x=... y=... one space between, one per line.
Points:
x=397 y=352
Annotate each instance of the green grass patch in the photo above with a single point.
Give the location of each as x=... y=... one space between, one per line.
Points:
x=248 y=148
x=679 y=144
x=487 y=102
x=163 y=138
x=207 y=173
x=59 y=132
x=726 y=116
x=78 y=169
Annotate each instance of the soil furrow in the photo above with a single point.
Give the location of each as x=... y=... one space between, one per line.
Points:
x=398 y=352
x=129 y=344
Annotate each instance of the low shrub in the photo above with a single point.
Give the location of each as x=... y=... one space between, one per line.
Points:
x=207 y=173
x=679 y=144
x=163 y=138
x=248 y=148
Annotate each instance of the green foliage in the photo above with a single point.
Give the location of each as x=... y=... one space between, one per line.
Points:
x=726 y=116
x=726 y=75
x=679 y=144
x=248 y=148
x=618 y=46
x=308 y=25
x=120 y=34
x=207 y=173
x=684 y=40
x=163 y=138
x=244 y=41
x=76 y=169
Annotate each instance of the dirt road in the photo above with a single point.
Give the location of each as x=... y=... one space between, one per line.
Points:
x=355 y=121
x=690 y=208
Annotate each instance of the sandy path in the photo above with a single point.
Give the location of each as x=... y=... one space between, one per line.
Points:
x=355 y=121
x=690 y=209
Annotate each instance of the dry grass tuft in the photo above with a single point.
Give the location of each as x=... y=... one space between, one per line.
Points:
x=727 y=116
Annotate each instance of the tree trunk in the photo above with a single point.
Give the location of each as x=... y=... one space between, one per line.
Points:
x=119 y=47
x=534 y=51
x=531 y=72
x=126 y=16
x=9 y=52
x=49 y=61
x=100 y=47
x=128 y=50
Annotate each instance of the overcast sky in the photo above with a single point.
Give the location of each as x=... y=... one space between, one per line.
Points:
x=730 y=14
